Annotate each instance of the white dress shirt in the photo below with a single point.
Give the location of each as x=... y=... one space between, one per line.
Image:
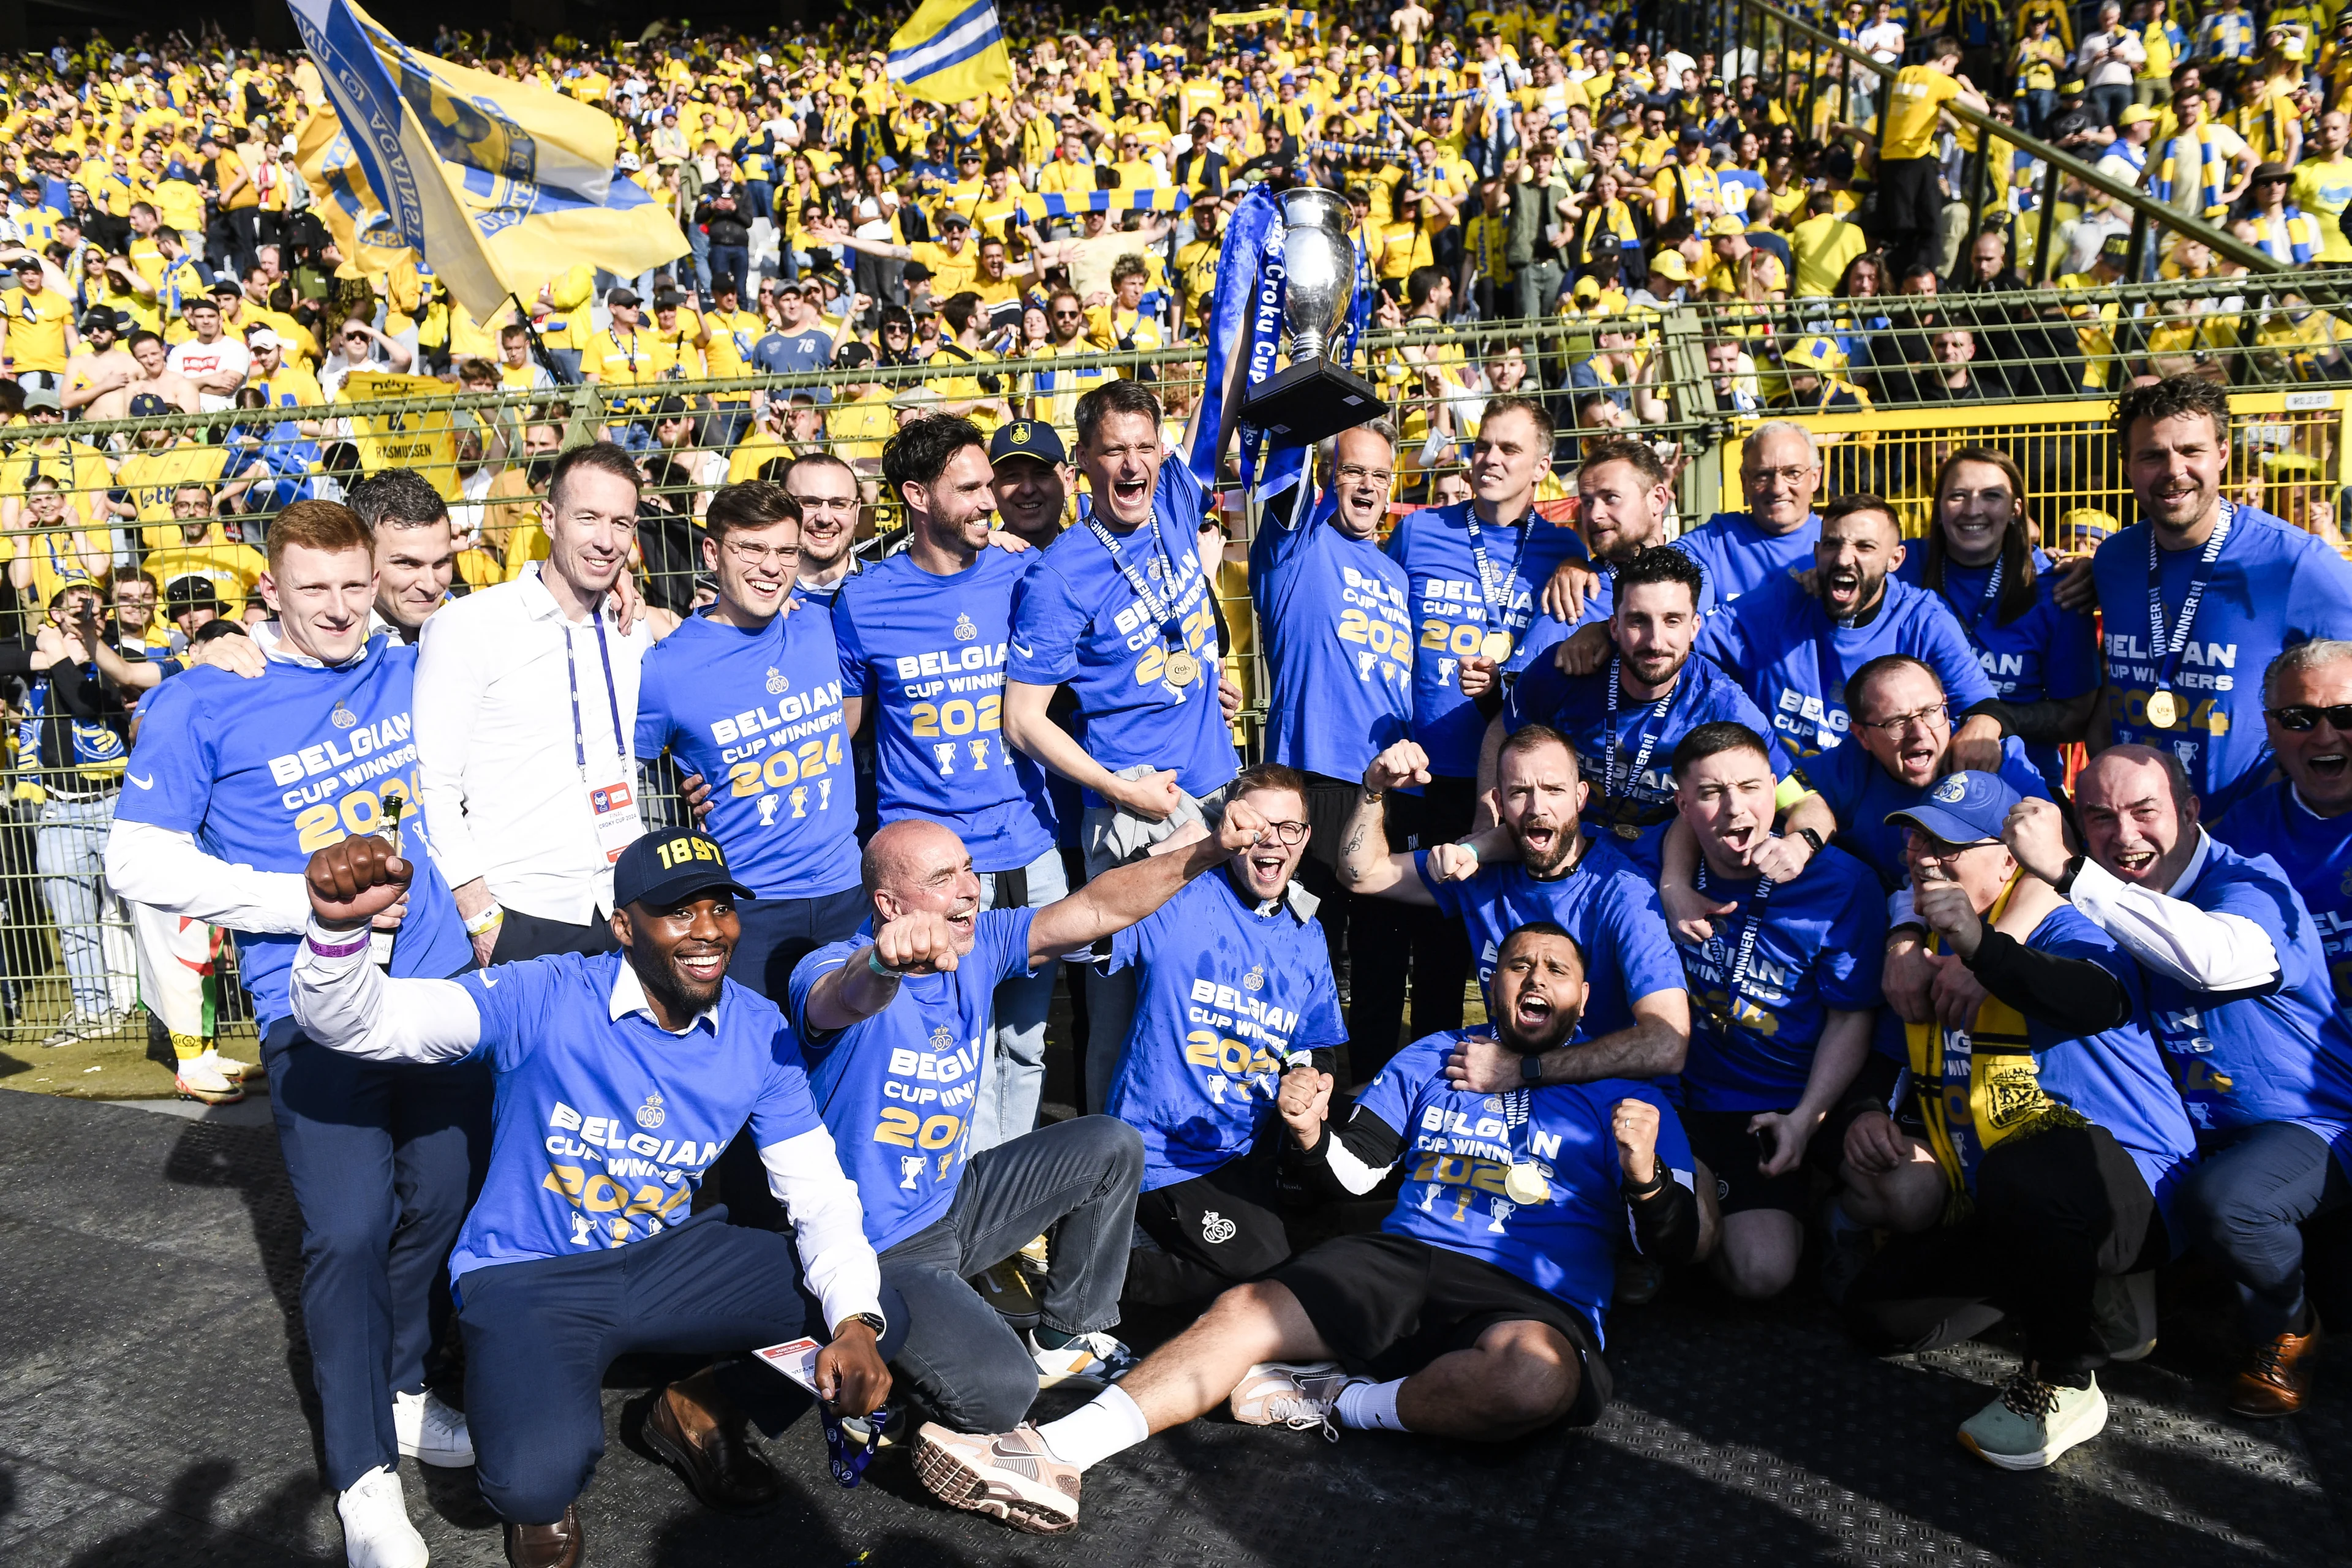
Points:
x=498 y=777
x=2197 y=949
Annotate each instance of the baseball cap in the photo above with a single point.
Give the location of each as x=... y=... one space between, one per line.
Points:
x=2115 y=249
x=671 y=408
x=629 y=161
x=671 y=866
x=1670 y=265
x=145 y=403
x=951 y=218
x=668 y=300
x=853 y=356
x=621 y=297
x=42 y=398
x=1691 y=135
x=189 y=593
x=1817 y=354
x=1586 y=289
x=223 y=288
x=1963 y=808
x=2136 y=114
x=103 y=319
x=1725 y=227
x=263 y=338
x=1027 y=439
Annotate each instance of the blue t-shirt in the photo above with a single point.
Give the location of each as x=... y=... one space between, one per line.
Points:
x=2116 y=1078
x=2046 y=654
x=1607 y=905
x=1453 y=616
x=604 y=1127
x=758 y=714
x=1577 y=707
x=897 y=1089
x=1459 y=1146
x=2272 y=586
x=1780 y=643
x=1228 y=997
x=2315 y=852
x=1817 y=949
x=809 y=349
x=2280 y=1055
x=1077 y=621
x=1852 y=784
x=267 y=773
x=927 y=654
x=1738 y=557
x=1339 y=646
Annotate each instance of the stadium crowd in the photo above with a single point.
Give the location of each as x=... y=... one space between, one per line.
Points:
x=1862 y=878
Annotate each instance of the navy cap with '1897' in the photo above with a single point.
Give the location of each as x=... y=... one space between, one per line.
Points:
x=667 y=867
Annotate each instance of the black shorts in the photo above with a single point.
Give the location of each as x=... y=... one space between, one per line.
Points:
x=1722 y=1142
x=1390 y=1305
x=1224 y=1221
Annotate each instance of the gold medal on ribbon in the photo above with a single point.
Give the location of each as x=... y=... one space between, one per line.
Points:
x=1182 y=669
x=1495 y=646
x=2163 y=710
x=1627 y=831
x=1525 y=1185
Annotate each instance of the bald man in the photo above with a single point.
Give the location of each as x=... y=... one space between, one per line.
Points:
x=895 y=1023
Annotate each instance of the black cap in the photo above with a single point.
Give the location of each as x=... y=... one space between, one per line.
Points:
x=915 y=272
x=190 y=593
x=670 y=408
x=102 y=318
x=146 y=403
x=853 y=354
x=225 y=287
x=671 y=865
x=1027 y=439
x=621 y=297
x=668 y=300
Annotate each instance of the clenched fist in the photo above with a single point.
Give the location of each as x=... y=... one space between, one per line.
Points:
x=352 y=882
x=1634 y=1124
x=1241 y=826
x=1402 y=765
x=1304 y=1100
x=918 y=942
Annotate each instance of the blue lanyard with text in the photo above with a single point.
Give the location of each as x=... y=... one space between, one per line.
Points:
x=611 y=694
x=1614 y=793
x=1163 y=611
x=1991 y=597
x=1494 y=616
x=2162 y=646
x=1746 y=952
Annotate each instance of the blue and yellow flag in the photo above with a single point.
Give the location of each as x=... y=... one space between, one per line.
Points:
x=950 y=50
x=498 y=184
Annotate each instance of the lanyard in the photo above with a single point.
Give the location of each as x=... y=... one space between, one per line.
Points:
x=611 y=694
x=2165 y=647
x=1494 y=616
x=1832 y=670
x=1610 y=787
x=1746 y=952
x=1515 y=1107
x=1161 y=610
x=1991 y=596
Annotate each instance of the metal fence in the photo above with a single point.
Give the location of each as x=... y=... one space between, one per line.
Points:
x=95 y=500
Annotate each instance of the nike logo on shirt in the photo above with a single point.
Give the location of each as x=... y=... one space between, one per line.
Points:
x=142 y=784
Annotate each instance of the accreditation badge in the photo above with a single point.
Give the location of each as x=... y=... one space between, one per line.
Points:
x=618 y=822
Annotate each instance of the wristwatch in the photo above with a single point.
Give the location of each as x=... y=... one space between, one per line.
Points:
x=1531 y=1070
x=870 y=1319
x=1812 y=838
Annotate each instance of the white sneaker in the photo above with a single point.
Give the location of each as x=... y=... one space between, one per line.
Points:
x=376 y=1531
x=1091 y=1361
x=199 y=1079
x=1301 y=1396
x=430 y=1432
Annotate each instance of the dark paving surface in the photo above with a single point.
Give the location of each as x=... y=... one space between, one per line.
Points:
x=153 y=1384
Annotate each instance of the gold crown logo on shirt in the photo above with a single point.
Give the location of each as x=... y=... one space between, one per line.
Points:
x=776 y=681
x=650 y=1115
x=942 y=1039
x=964 y=630
x=342 y=717
x=1255 y=980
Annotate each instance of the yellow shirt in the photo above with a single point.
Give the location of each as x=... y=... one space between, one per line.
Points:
x=78 y=467
x=1823 y=245
x=233 y=567
x=2323 y=188
x=152 y=478
x=859 y=426
x=37 y=328
x=951 y=275
x=625 y=360
x=1918 y=97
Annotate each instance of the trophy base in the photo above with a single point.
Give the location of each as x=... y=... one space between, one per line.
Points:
x=1308 y=401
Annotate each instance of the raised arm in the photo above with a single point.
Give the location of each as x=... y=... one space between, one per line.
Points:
x=1365 y=866
x=1124 y=894
x=341 y=999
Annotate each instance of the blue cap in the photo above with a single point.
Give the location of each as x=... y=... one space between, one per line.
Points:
x=1962 y=808
x=1027 y=439
x=671 y=865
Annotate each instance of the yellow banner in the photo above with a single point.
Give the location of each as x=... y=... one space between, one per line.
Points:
x=1247 y=19
x=425 y=440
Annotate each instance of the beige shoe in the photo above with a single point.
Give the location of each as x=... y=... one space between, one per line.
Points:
x=1301 y=1396
x=1011 y=1476
x=200 y=1080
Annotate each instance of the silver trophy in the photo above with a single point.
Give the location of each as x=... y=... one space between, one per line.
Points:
x=1312 y=397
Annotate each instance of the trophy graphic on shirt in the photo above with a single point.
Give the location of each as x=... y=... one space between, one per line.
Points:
x=1312 y=397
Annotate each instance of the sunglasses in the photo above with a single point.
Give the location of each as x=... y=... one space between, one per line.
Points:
x=2301 y=718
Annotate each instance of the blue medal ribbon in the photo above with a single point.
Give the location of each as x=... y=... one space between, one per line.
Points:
x=1615 y=793
x=2166 y=648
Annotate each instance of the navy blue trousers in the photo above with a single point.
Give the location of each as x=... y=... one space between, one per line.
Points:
x=2243 y=1208
x=384 y=1161
x=779 y=932
x=539 y=1334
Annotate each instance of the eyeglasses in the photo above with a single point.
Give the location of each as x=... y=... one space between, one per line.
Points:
x=785 y=555
x=1288 y=832
x=825 y=503
x=1931 y=716
x=2302 y=717
x=1357 y=474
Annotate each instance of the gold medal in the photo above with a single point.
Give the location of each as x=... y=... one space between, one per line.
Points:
x=1496 y=645
x=1525 y=1185
x=2163 y=710
x=1182 y=669
x=1626 y=830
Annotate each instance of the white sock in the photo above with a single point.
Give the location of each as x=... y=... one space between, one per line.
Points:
x=1369 y=1406
x=1106 y=1424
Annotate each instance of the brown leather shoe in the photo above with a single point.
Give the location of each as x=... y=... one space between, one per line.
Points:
x=2277 y=1380
x=720 y=1468
x=557 y=1545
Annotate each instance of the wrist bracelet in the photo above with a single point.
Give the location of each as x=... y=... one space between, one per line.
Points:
x=881 y=970
x=487 y=920
x=1634 y=1193
x=2064 y=885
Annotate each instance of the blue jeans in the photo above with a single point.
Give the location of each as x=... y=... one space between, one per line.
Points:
x=1012 y=1079
x=2243 y=1207
x=93 y=928
x=728 y=263
x=539 y=1334
x=779 y=932
x=763 y=193
x=1075 y=1181
x=383 y=1160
